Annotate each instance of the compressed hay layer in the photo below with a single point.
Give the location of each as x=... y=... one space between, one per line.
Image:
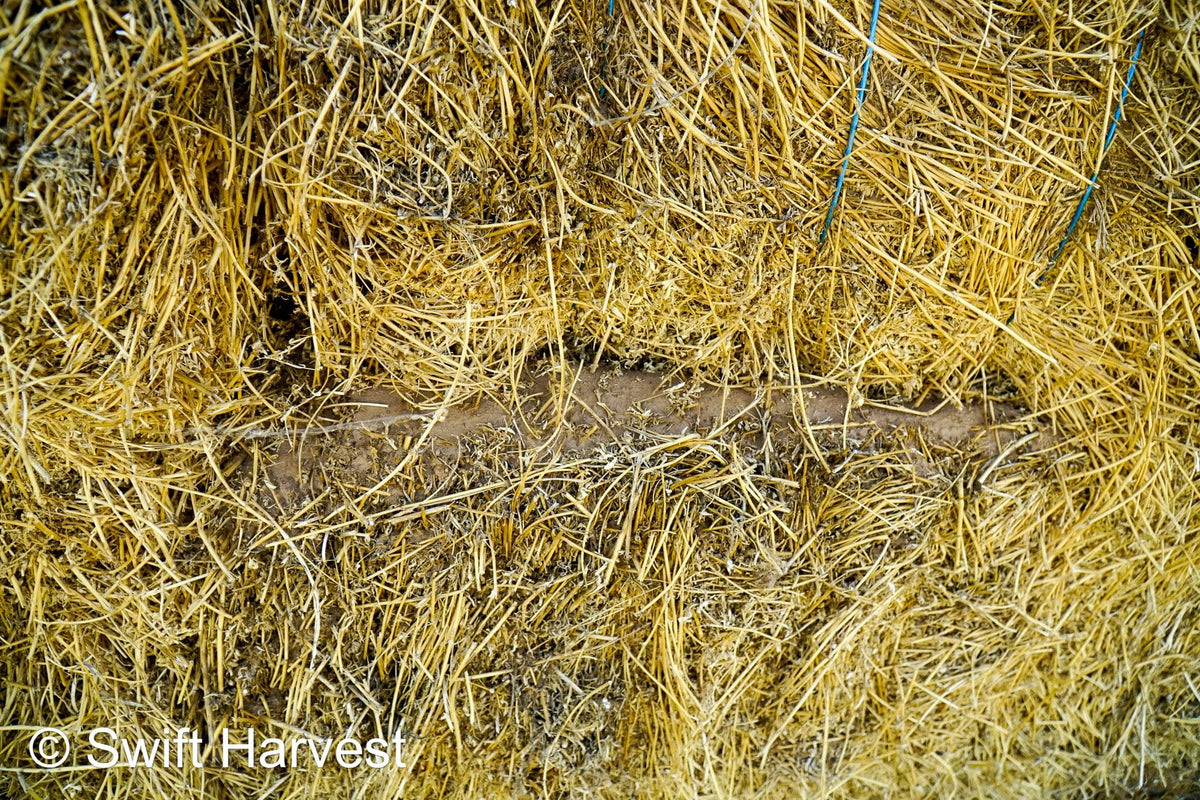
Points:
x=616 y=502
x=223 y=222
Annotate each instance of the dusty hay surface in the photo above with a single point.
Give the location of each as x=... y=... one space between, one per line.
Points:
x=305 y=310
x=600 y=411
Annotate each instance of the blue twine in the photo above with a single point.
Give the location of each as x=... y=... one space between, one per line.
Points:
x=604 y=66
x=1087 y=194
x=1108 y=140
x=862 y=95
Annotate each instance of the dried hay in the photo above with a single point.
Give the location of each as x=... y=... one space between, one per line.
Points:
x=220 y=223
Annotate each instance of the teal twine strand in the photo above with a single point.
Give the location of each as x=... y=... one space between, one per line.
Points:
x=1087 y=193
x=604 y=66
x=1108 y=140
x=862 y=95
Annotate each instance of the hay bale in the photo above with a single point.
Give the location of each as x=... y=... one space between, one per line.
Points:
x=221 y=224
